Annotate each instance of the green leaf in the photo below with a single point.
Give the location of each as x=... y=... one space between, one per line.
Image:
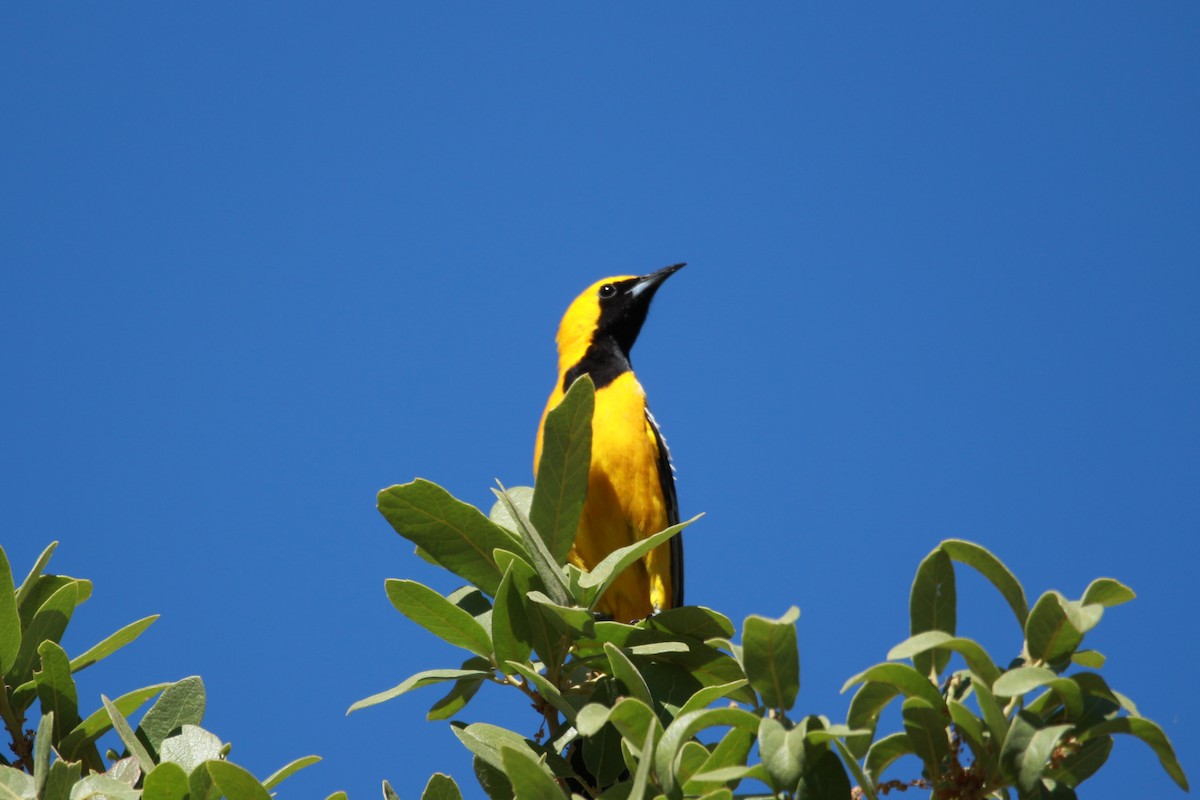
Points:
x=562 y=475
x=41 y=751
x=694 y=621
x=522 y=498
x=461 y=693
x=976 y=657
x=904 y=679
x=866 y=705
x=98 y=723
x=635 y=721
x=1107 y=592
x=438 y=615
x=456 y=535
x=441 y=787
x=56 y=689
x=167 y=781
x=416 y=681
x=932 y=607
x=993 y=569
x=824 y=780
x=782 y=753
x=112 y=644
x=1049 y=632
x=236 y=783
x=1033 y=760
x=1025 y=679
x=708 y=695
x=486 y=741
x=389 y=793
x=511 y=635
x=684 y=727
x=529 y=779
x=623 y=669
x=1091 y=659
x=885 y=751
x=856 y=771
x=10 y=619
x=492 y=780
x=597 y=581
x=731 y=751
x=970 y=728
x=926 y=729
x=288 y=770
x=63 y=775
x=1149 y=733
x=190 y=748
x=691 y=758
x=181 y=703
x=102 y=786
x=545 y=688
x=47 y=625
x=121 y=726
x=544 y=562
x=43 y=588
x=15 y=784
x=1082 y=764
x=34 y=573
x=572 y=621
x=771 y=658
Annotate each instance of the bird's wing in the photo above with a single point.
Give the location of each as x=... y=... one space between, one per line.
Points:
x=666 y=477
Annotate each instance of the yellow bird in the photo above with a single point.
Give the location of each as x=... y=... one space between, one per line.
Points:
x=631 y=488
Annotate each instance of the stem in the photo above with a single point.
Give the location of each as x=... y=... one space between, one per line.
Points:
x=14 y=723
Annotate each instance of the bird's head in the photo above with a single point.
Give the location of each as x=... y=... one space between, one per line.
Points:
x=613 y=308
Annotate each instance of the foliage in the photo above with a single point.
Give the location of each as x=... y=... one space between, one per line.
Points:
x=167 y=756
x=671 y=706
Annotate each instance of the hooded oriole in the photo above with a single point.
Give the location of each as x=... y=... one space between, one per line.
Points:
x=631 y=489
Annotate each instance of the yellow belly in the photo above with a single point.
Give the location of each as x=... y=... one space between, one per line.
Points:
x=624 y=501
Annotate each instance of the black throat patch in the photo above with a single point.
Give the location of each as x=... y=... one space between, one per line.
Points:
x=604 y=361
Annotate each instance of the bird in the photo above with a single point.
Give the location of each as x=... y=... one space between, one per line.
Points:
x=631 y=483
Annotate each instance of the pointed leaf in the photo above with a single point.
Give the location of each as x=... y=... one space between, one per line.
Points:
x=47 y=625
x=438 y=615
x=441 y=787
x=456 y=535
x=522 y=498
x=181 y=703
x=731 y=751
x=529 y=779
x=570 y=620
x=288 y=770
x=1049 y=632
x=63 y=775
x=684 y=727
x=562 y=475
x=511 y=635
x=98 y=723
x=416 y=681
x=866 y=705
x=38 y=567
x=1107 y=592
x=41 y=751
x=462 y=691
x=121 y=726
x=771 y=658
x=994 y=570
x=112 y=644
x=932 y=606
x=543 y=560
x=1149 y=733
x=623 y=669
x=601 y=577
x=10 y=619
x=705 y=697
x=235 y=782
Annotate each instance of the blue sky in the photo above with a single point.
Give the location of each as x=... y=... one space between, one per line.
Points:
x=262 y=260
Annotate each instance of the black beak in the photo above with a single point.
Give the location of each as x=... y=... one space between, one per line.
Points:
x=647 y=285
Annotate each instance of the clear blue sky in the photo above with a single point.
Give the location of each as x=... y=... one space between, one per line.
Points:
x=261 y=260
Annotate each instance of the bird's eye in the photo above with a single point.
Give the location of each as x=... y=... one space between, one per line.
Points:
x=608 y=290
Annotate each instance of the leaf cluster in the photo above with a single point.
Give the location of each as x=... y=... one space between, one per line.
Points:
x=167 y=756
x=671 y=706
